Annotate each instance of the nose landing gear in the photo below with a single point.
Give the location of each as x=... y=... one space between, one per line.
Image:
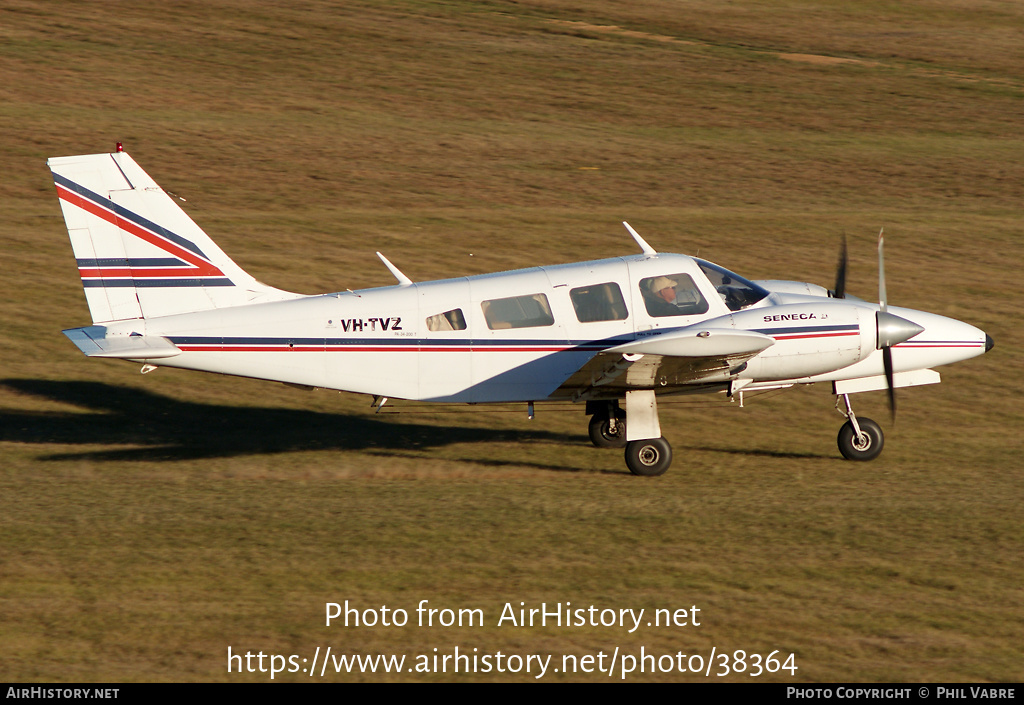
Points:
x=859 y=438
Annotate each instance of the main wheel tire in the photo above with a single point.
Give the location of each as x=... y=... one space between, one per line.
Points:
x=649 y=457
x=867 y=447
x=602 y=437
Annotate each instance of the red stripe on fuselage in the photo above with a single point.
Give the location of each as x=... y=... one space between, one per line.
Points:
x=914 y=346
x=357 y=348
x=800 y=336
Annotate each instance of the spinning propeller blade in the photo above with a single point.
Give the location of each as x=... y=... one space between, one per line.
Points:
x=887 y=350
x=892 y=330
x=839 y=291
x=887 y=363
x=881 y=270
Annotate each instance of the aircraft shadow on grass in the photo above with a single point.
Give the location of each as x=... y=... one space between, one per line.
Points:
x=171 y=430
x=761 y=453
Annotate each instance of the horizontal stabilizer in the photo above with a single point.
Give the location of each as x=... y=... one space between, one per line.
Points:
x=698 y=342
x=93 y=341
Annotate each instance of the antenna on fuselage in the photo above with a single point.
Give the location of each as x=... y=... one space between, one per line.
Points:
x=402 y=279
x=648 y=250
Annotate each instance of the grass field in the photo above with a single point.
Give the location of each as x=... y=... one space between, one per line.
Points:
x=149 y=523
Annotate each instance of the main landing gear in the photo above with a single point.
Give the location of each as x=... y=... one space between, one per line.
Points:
x=650 y=457
x=859 y=438
x=608 y=426
x=647 y=457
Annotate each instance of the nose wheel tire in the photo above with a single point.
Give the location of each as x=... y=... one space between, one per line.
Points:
x=865 y=447
x=648 y=457
x=601 y=434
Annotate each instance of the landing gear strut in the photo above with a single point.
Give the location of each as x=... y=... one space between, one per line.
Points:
x=648 y=456
x=859 y=438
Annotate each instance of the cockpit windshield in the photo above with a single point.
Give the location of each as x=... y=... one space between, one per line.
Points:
x=736 y=291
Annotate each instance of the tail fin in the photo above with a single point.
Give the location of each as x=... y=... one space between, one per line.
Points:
x=139 y=254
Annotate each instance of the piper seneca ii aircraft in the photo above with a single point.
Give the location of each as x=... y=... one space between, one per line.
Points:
x=612 y=334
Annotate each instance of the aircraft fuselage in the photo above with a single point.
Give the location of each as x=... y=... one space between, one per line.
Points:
x=380 y=342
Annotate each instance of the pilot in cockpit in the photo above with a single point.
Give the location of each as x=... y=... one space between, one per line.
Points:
x=661 y=300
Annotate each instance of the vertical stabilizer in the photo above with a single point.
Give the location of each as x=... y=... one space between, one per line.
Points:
x=138 y=253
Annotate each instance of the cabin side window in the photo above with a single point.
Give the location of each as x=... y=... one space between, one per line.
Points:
x=600 y=302
x=449 y=320
x=672 y=295
x=518 y=312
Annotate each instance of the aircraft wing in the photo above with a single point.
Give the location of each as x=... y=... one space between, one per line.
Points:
x=665 y=362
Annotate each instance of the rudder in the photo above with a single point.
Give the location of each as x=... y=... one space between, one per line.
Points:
x=139 y=254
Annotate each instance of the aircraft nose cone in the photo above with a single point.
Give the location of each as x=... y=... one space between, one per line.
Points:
x=989 y=343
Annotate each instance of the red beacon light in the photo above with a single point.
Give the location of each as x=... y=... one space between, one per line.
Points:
x=119 y=147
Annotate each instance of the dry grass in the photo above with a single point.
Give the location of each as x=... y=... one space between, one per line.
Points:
x=148 y=523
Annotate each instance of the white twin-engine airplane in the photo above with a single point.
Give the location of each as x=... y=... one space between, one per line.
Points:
x=612 y=333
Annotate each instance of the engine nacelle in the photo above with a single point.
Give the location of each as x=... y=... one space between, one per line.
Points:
x=810 y=338
x=781 y=286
